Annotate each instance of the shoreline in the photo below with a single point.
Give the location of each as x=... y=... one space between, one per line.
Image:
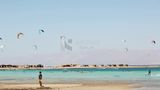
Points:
x=105 y=86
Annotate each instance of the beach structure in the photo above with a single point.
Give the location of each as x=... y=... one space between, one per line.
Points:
x=39 y=66
x=109 y=65
x=69 y=66
x=85 y=65
x=93 y=66
x=102 y=65
x=35 y=66
x=121 y=65
x=8 y=66
x=126 y=65
x=114 y=65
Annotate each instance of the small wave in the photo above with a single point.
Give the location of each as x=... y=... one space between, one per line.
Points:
x=155 y=75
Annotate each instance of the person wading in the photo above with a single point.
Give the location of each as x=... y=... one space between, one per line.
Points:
x=40 y=79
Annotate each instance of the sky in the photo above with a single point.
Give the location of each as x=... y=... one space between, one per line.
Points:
x=97 y=28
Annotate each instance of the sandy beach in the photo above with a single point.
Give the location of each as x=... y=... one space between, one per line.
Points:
x=66 y=87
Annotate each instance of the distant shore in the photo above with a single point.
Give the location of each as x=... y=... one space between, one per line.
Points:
x=72 y=66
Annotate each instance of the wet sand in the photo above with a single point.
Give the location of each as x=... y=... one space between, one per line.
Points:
x=66 y=87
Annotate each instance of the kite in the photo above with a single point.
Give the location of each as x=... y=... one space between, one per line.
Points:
x=153 y=42
x=41 y=31
x=126 y=49
x=65 y=44
x=35 y=47
x=68 y=47
x=19 y=35
x=125 y=42
x=70 y=41
x=2 y=47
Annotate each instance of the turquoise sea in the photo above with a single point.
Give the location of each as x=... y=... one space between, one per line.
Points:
x=86 y=75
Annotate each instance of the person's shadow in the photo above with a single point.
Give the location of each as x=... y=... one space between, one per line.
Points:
x=44 y=87
x=47 y=88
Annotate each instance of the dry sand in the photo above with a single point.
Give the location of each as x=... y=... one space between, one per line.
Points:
x=66 y=87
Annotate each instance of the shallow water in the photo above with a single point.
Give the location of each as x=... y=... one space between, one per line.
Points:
x=131 y=75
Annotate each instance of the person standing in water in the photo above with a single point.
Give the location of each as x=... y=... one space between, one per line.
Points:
x=149 y=72
x=40 y=79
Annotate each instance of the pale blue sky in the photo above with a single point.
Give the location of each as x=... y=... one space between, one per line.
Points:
x=104 y=23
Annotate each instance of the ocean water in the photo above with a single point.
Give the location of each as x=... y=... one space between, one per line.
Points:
x=86 y=75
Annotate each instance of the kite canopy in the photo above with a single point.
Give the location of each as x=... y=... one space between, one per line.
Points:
x=19 y=35
x=126 y=49
x=153 y=42
x=41 y=31
x=1 y=46
x=68 y=47
x=62 y=37
x=70 y=41
x=35 y=47
x=124 y=41
x=65 y=43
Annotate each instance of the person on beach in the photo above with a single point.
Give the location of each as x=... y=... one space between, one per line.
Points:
x=149 y=72
x=40 y=79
